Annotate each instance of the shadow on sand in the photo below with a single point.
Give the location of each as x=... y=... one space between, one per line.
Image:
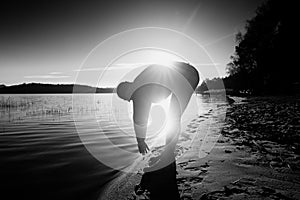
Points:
x=161 y=183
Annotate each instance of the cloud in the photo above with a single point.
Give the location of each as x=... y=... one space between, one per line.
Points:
x=122 y=66
x=87 y=69
x=55 y=73
x=45 y=76
x=118 y=66
x=131 y=65
x=207 y=64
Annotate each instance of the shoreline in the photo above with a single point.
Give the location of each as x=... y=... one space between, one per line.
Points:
x=246 y=162
x=188 y=148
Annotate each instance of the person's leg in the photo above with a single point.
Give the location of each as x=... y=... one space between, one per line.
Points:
x=174 y=126
x=168 y=155
x=163 y=183
x=172 y=135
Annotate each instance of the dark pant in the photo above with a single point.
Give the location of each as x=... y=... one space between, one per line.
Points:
x=161 y=183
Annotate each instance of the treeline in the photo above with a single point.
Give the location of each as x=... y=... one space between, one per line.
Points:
x=218 y=85
x=39 y=88
x=263 y=61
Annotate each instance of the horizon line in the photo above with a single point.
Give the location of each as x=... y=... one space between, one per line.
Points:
x=82 y=84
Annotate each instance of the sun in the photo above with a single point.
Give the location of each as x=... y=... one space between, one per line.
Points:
x=165 y=59
x=157 y=56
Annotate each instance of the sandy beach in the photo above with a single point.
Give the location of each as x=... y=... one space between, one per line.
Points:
x=256 y=155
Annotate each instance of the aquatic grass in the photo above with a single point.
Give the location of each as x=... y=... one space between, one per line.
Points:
x=15 y=109
x=20 y=108
x=11 y=103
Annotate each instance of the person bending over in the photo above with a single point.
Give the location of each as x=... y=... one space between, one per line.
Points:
x=152 y=85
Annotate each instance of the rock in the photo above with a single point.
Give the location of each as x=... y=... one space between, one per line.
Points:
x=228 y=151
x=275 y=164
x=221 y=141
x=234 y=131
x=234 y=190
x=240 y=148
x=204 y=197
x=186 y=196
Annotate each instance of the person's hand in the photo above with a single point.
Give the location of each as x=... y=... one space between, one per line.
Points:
x=143 y=147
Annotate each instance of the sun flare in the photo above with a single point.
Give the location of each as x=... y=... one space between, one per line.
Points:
x=159 y=118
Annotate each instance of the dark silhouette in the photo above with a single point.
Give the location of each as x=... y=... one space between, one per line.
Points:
x=152 y=85
x=262 y=62
x=39 y=88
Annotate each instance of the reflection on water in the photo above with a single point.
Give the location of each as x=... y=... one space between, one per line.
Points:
x=42 y=156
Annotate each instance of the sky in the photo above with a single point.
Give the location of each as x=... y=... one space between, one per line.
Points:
x=99 y=42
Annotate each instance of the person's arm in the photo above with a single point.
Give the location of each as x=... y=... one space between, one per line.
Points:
x=141 y=109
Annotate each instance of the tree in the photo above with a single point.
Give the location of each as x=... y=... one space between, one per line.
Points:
x=260 y=61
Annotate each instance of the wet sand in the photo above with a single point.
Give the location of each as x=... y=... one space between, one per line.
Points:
x=256 y=155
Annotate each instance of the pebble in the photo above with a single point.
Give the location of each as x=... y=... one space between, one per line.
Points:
x=228 y=151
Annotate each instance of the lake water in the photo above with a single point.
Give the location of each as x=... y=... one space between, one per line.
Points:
x=46 y=143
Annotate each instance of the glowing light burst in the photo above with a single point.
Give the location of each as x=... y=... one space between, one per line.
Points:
x=164 y=59
x=159 y=122
x=151 y=45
